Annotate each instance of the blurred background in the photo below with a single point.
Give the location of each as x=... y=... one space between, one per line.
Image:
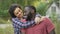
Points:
x=48 y=8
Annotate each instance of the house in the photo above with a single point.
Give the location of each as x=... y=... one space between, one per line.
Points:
x=53 y=9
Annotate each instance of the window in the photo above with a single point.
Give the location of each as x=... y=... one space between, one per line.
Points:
x=53 y=9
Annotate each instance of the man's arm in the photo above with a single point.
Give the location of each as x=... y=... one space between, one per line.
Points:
x=50 y=26
x=52 y=32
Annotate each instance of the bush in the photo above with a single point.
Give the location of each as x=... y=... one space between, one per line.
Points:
x=4 y=14
x=42 y=8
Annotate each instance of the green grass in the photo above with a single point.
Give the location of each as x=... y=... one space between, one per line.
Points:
x=57 y=27
x=7 y=30
x=5 y=21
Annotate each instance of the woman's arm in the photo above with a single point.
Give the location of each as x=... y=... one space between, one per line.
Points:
x=39 y=19
x=20 y=24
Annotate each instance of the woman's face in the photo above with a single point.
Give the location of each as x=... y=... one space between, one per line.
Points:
x=18 y=12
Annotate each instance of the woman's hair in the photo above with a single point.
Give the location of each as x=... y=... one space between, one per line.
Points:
x=30 y=16
x=12 y=9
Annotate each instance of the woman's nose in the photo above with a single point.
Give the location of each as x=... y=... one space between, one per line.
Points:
x=19 y=13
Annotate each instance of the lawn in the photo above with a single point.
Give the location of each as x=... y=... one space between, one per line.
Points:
x=57 y=27
x=5 y=21
x=9 y=29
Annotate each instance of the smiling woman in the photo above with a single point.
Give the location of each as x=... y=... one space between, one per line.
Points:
x=18 y=12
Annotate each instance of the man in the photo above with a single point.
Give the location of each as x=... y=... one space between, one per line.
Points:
x=30 y=11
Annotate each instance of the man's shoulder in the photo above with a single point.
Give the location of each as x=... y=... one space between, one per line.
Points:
x=38 y=15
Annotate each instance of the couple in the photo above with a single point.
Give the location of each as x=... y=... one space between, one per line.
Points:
x=29 y=22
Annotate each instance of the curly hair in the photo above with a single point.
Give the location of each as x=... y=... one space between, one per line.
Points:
x=30 y=16
x=12 y=8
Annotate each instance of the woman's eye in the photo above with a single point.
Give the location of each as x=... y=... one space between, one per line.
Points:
x=19 y=10
x=17 y=13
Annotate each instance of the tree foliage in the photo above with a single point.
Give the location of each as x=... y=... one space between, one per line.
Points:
x=5 y=4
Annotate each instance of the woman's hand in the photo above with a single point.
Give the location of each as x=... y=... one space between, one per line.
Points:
x=38 y=19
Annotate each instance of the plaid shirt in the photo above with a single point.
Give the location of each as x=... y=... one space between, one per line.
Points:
x=17 y=24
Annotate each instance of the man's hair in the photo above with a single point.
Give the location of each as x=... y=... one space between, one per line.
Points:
x=29 y=16
x=32 y=7
x=12 y=9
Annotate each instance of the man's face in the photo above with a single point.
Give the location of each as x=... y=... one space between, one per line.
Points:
x=26 y=11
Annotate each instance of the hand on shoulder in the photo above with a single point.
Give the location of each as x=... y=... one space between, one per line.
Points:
x=39 y=19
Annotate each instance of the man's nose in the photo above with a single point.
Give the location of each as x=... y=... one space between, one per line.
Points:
x=24 y=13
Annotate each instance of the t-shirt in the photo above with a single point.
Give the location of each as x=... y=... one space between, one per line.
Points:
x=45 y=27
x=24 y=20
